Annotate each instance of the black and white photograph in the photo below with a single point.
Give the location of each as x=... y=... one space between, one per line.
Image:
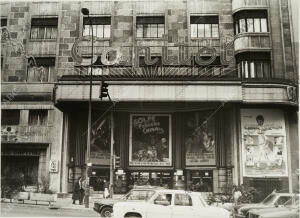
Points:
x=150 y=108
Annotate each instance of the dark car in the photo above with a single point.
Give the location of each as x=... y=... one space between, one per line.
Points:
x=241 y=211
x=139 y=193
x=289 y=210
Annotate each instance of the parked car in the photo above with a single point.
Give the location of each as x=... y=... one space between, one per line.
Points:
x=139 y=193
x=272 y=200
x=169 y=204
x=289 y=210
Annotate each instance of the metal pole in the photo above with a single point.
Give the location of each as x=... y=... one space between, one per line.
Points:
x=111 y=179
x=87 y=190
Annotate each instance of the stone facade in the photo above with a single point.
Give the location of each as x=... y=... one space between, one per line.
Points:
x=34 y=95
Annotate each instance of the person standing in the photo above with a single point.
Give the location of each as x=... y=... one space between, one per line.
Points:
x=78 y=192
x=106 y=189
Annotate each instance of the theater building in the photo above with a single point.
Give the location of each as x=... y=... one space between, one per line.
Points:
x=204 y=94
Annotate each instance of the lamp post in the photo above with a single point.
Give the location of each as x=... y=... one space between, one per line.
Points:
x=86 y=12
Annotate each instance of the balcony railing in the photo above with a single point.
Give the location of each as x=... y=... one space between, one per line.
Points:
x=252 y=41
x=238 y=5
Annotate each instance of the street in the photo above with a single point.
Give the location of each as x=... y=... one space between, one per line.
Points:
x=26 y=210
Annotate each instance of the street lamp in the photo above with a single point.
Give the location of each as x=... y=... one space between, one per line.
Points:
x=86 y=12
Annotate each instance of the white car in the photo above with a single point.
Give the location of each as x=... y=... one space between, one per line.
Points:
x=169 y=204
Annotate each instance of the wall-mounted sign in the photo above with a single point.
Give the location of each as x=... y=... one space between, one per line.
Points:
x=200 y=148
x=150 y=140
x=263 y=143
x=53 y=166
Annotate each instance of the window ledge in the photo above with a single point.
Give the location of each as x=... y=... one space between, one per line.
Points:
x=43 y=40
x=98 y=38
x=205 y=38
x=150 y=39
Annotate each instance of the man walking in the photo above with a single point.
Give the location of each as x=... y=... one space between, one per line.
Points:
x=78 y=192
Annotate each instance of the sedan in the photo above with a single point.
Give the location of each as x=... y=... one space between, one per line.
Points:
x=139 y=193
x=272 y=200
x=169 y=204
x=289 y=210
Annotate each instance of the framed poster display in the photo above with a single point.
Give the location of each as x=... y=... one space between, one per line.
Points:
x=199 y=139
x=150 y=140
x=100 y=142
x=263 y=143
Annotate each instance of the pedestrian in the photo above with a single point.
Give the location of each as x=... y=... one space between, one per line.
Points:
x=236 y=194
x=78 y=192
x=106 y=189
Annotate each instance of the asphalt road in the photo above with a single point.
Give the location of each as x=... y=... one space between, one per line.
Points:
x=15 y=210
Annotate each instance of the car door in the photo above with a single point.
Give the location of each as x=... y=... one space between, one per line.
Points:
x=183 y=206
x=160 y=206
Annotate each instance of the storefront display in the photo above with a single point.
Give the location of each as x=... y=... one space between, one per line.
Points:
x=264 y=143
x=164 y=179
x=199 y=139
x=200 y=180
x=100 y=142
x=150 y=140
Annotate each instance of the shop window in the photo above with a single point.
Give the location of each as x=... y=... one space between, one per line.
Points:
x=201 y=181
x=254 y=65
x=251 y=21
x=44 y=28
x=100 y=25
x=38 y=117
x=183 y=200
x=10 y=117
x=150 y=26
x=40 y=69
x=204 y=26
x=3 y=22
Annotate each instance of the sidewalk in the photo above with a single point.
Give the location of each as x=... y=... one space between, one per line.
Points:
x=61 y=203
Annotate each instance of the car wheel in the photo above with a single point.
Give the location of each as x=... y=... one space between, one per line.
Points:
x=132 y=215
x=106 y=212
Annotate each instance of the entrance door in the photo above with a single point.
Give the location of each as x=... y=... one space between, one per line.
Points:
x=25 y=167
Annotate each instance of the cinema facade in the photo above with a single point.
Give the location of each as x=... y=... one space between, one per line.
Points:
x=203 y=94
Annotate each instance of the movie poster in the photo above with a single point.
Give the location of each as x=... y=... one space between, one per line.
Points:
x=200 y=148
x=150 y=140
x=263 y=143
x=100 y=141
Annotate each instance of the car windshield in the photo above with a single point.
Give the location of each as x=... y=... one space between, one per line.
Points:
x=292 y=202
x=139 y=194
x=269 y=199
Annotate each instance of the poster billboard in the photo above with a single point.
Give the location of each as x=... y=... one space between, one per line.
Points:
x=150 y=140
x=100 y=142
x=199 y=139
x=263 y=143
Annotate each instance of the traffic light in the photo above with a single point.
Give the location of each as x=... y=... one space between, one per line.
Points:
x=103 y=90
x=117 y=162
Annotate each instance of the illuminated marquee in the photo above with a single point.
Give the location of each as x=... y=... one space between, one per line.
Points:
x=129 y=55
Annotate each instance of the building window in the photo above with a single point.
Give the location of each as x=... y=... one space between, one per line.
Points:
x=38 y=117
x=204 y=26
x=150 y=27
x=100 y=25
x=251 y=21
x=10 y=117
x=40 y=69
x=254 y=65
x=3 y=22
x=43 y=28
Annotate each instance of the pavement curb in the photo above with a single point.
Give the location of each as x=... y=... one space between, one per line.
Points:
x=52 y=207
